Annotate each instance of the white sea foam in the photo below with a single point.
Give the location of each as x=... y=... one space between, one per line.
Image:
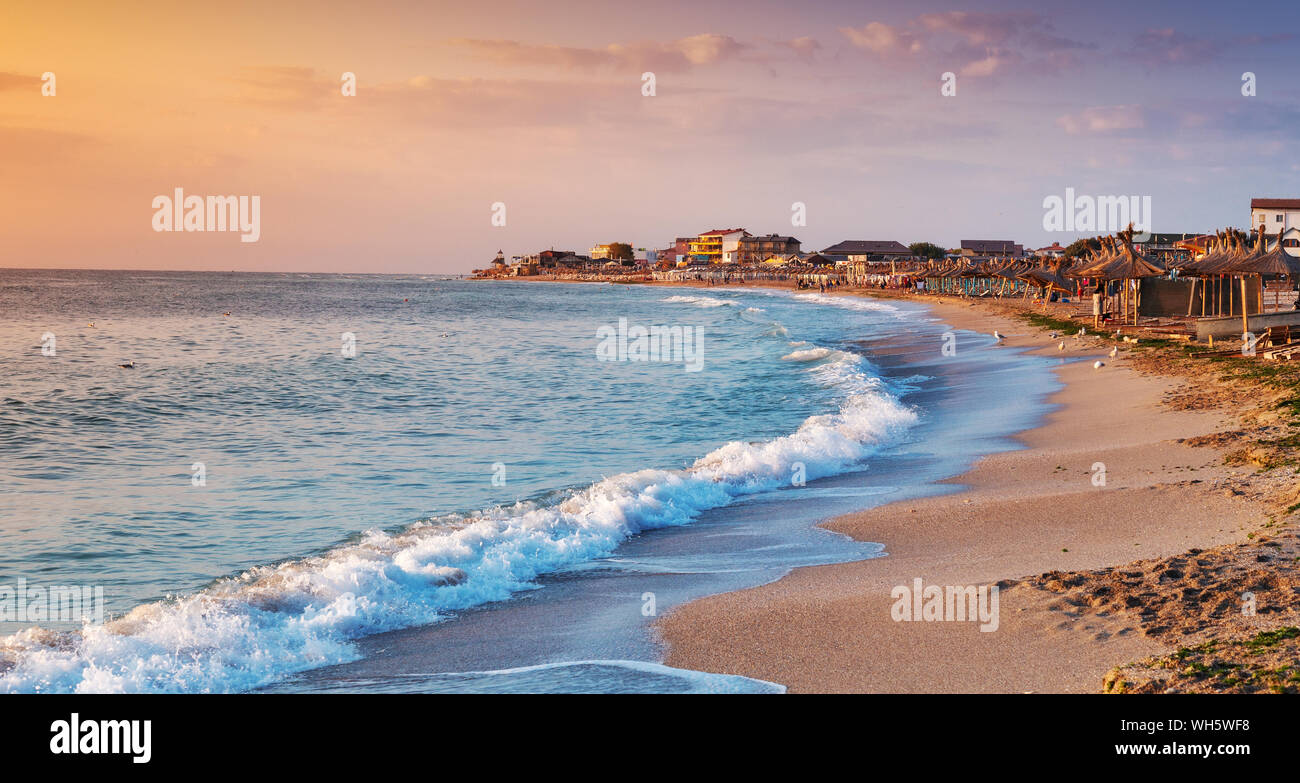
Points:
x=274 y=620
x=702 y=301
x=851 y=303
x=686 y=680
x=809 y=355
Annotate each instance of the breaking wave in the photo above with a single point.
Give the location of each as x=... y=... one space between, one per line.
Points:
x=271 y=621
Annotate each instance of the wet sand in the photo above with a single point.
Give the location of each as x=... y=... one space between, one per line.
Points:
x=1020 y=514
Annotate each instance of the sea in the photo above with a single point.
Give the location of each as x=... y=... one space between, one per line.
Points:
x=373 y=483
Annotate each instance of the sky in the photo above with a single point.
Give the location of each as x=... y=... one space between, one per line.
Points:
x=540 y=107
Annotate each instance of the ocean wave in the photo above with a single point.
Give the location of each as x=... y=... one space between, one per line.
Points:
x=851 y=303
x=594 y=676
x=702 y=301
x=271 y=621
x=809 y=355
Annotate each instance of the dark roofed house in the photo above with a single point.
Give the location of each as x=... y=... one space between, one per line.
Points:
x=990 y=248
x=821 y=259
x=1275 y=203
x=862 y=249
x=753 y=250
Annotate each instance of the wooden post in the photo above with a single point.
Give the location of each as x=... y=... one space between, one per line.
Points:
x=1245 y=323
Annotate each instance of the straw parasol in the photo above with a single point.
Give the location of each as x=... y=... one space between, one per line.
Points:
x=1259 y=262
x=1046 y=279
x=1125 y=264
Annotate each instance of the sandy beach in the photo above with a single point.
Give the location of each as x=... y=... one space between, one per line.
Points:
x=1035 y=522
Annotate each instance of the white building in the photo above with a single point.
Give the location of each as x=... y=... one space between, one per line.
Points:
x=731 y=245
x=1278 y=213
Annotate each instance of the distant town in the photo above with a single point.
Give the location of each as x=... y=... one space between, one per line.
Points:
x=736 y=252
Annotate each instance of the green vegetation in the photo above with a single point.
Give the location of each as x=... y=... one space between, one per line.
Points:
x=926 y=250
x=620 y=251
x=1062 y=325
x=1082 y=247
x=1231 y=665
x=1267 y=639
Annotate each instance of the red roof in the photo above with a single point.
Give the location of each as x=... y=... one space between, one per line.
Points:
x=1275 y=203
x=721 y=231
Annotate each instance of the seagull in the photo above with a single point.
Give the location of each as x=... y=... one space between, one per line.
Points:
x=1052 y=336
x=1060 y=346
x=996 y=336
x=1082 y=331
x=226 y=314
x=1098 y=365
x=1114 y=352
x=130 y=365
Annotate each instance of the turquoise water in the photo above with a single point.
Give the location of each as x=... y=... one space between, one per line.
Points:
x=474 y=444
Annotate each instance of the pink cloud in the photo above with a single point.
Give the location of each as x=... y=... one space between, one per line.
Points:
x=971 y=43
x=805 y=47
x=1103 y=119
x=880 y=38
x=679 y=55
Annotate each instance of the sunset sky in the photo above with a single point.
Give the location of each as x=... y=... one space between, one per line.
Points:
x=540 y=106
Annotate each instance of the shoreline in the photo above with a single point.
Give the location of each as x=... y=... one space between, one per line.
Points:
x=1017 y=515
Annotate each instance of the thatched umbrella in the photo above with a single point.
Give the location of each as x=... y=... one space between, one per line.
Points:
x=1046 y=279
x=1223 y=252
x=1127 y=264
x=1260 y=263
x=1009 y=274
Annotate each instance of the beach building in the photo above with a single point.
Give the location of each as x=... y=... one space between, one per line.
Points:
x=1164 y=247
x=822 y=259
x=1053 y=250
x=599 y=252
x=991 y=248
x=720 y=246
x=1278 y=214
x=667 y=255
x=571 y=263
x=752 y=250
x=864 y=249
x=545 y=259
